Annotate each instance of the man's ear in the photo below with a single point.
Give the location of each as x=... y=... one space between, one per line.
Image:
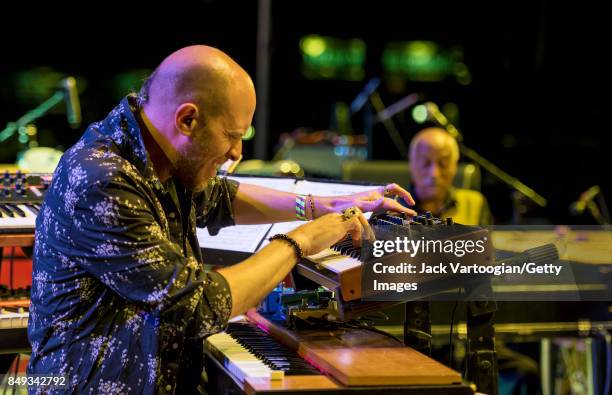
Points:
x=186 y=118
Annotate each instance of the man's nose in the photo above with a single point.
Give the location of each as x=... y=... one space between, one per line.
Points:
x=434 y=171
x=235 y=151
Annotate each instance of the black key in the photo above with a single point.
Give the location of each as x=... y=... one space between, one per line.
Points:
x=33 y=209
x=17 y=209
x=5 y=210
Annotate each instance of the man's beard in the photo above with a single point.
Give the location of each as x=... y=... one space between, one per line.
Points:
x=189 y=166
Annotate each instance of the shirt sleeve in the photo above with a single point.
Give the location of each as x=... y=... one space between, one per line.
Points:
x=119 y=239
x=214 y=205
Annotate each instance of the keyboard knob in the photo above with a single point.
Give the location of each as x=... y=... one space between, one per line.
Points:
x=449 y=221
x=428 y=214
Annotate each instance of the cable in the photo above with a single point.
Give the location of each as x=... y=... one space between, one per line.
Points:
x=450 y=336
x=354 y=324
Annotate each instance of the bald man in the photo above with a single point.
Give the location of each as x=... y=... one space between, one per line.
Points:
x=433 y=156
x=120 y=299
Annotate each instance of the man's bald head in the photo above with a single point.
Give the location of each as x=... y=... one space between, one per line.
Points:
x=435 y=137
x=200 y=74
x=197 y=105
x=434 y=154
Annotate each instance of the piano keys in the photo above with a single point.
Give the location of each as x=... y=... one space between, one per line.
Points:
x=21 y=196
x=245 y=358
x=339 y=268
x=18 y=218
x=14 y=314
x=248 y=351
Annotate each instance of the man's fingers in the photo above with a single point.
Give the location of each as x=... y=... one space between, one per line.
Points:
x=370 y=205
x=385 y=204
x=355 y=230
x=393 y=205
x=394 y=189
x=367 y=229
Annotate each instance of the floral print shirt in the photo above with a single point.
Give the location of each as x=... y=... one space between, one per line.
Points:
x=120 y=298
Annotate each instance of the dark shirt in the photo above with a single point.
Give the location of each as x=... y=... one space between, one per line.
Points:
x=120 y=299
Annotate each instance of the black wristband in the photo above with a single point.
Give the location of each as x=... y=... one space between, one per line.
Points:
x=294 y=244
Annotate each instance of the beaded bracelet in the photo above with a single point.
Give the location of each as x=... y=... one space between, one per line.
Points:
x=300 y=207
x=296 y=246
x=312 y=207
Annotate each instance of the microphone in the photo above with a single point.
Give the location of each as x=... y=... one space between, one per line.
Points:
x=580 y=205
x=365 y=94
x=71 y=98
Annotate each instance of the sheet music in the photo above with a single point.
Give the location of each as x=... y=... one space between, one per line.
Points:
x=329 y=189
x=246 y=238
x=281 y=184
x=243 y=238
x=281 y=227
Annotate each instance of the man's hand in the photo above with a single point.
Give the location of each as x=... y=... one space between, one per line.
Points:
x=321 y=233
x=375 y=200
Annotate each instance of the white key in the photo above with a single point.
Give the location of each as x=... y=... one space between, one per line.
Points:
x=334 y=260
x=10 y=320
x=19 y=222
x=238 y=360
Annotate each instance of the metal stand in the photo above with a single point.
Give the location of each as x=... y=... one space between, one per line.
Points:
x=482 y=367
x=417 y=326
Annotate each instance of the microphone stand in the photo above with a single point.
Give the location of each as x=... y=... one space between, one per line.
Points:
x=370 y=100
x=506 y=178
x=32 y=115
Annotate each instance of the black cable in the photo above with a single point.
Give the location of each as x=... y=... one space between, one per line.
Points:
x=450 y=336
x=373 y=329
x=351 y=325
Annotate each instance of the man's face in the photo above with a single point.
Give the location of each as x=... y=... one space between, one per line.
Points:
x=433 y=168
x=217 y=141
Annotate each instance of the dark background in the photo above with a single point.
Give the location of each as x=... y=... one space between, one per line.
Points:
x=537 y=105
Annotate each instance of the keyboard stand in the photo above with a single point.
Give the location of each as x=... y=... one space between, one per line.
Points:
x=482 y=368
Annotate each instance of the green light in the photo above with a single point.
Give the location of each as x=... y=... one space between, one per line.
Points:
x=250 y=133
x=419 y=113
x=33 y=86
x=313 y=45
x=332 y=58
x=422 y=61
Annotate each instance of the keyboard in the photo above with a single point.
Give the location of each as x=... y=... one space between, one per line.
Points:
x=21 y=196
x=14 y=314
x=339 y=268
x=247 y=351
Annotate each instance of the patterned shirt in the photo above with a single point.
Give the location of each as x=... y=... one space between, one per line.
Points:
x=120 y=298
